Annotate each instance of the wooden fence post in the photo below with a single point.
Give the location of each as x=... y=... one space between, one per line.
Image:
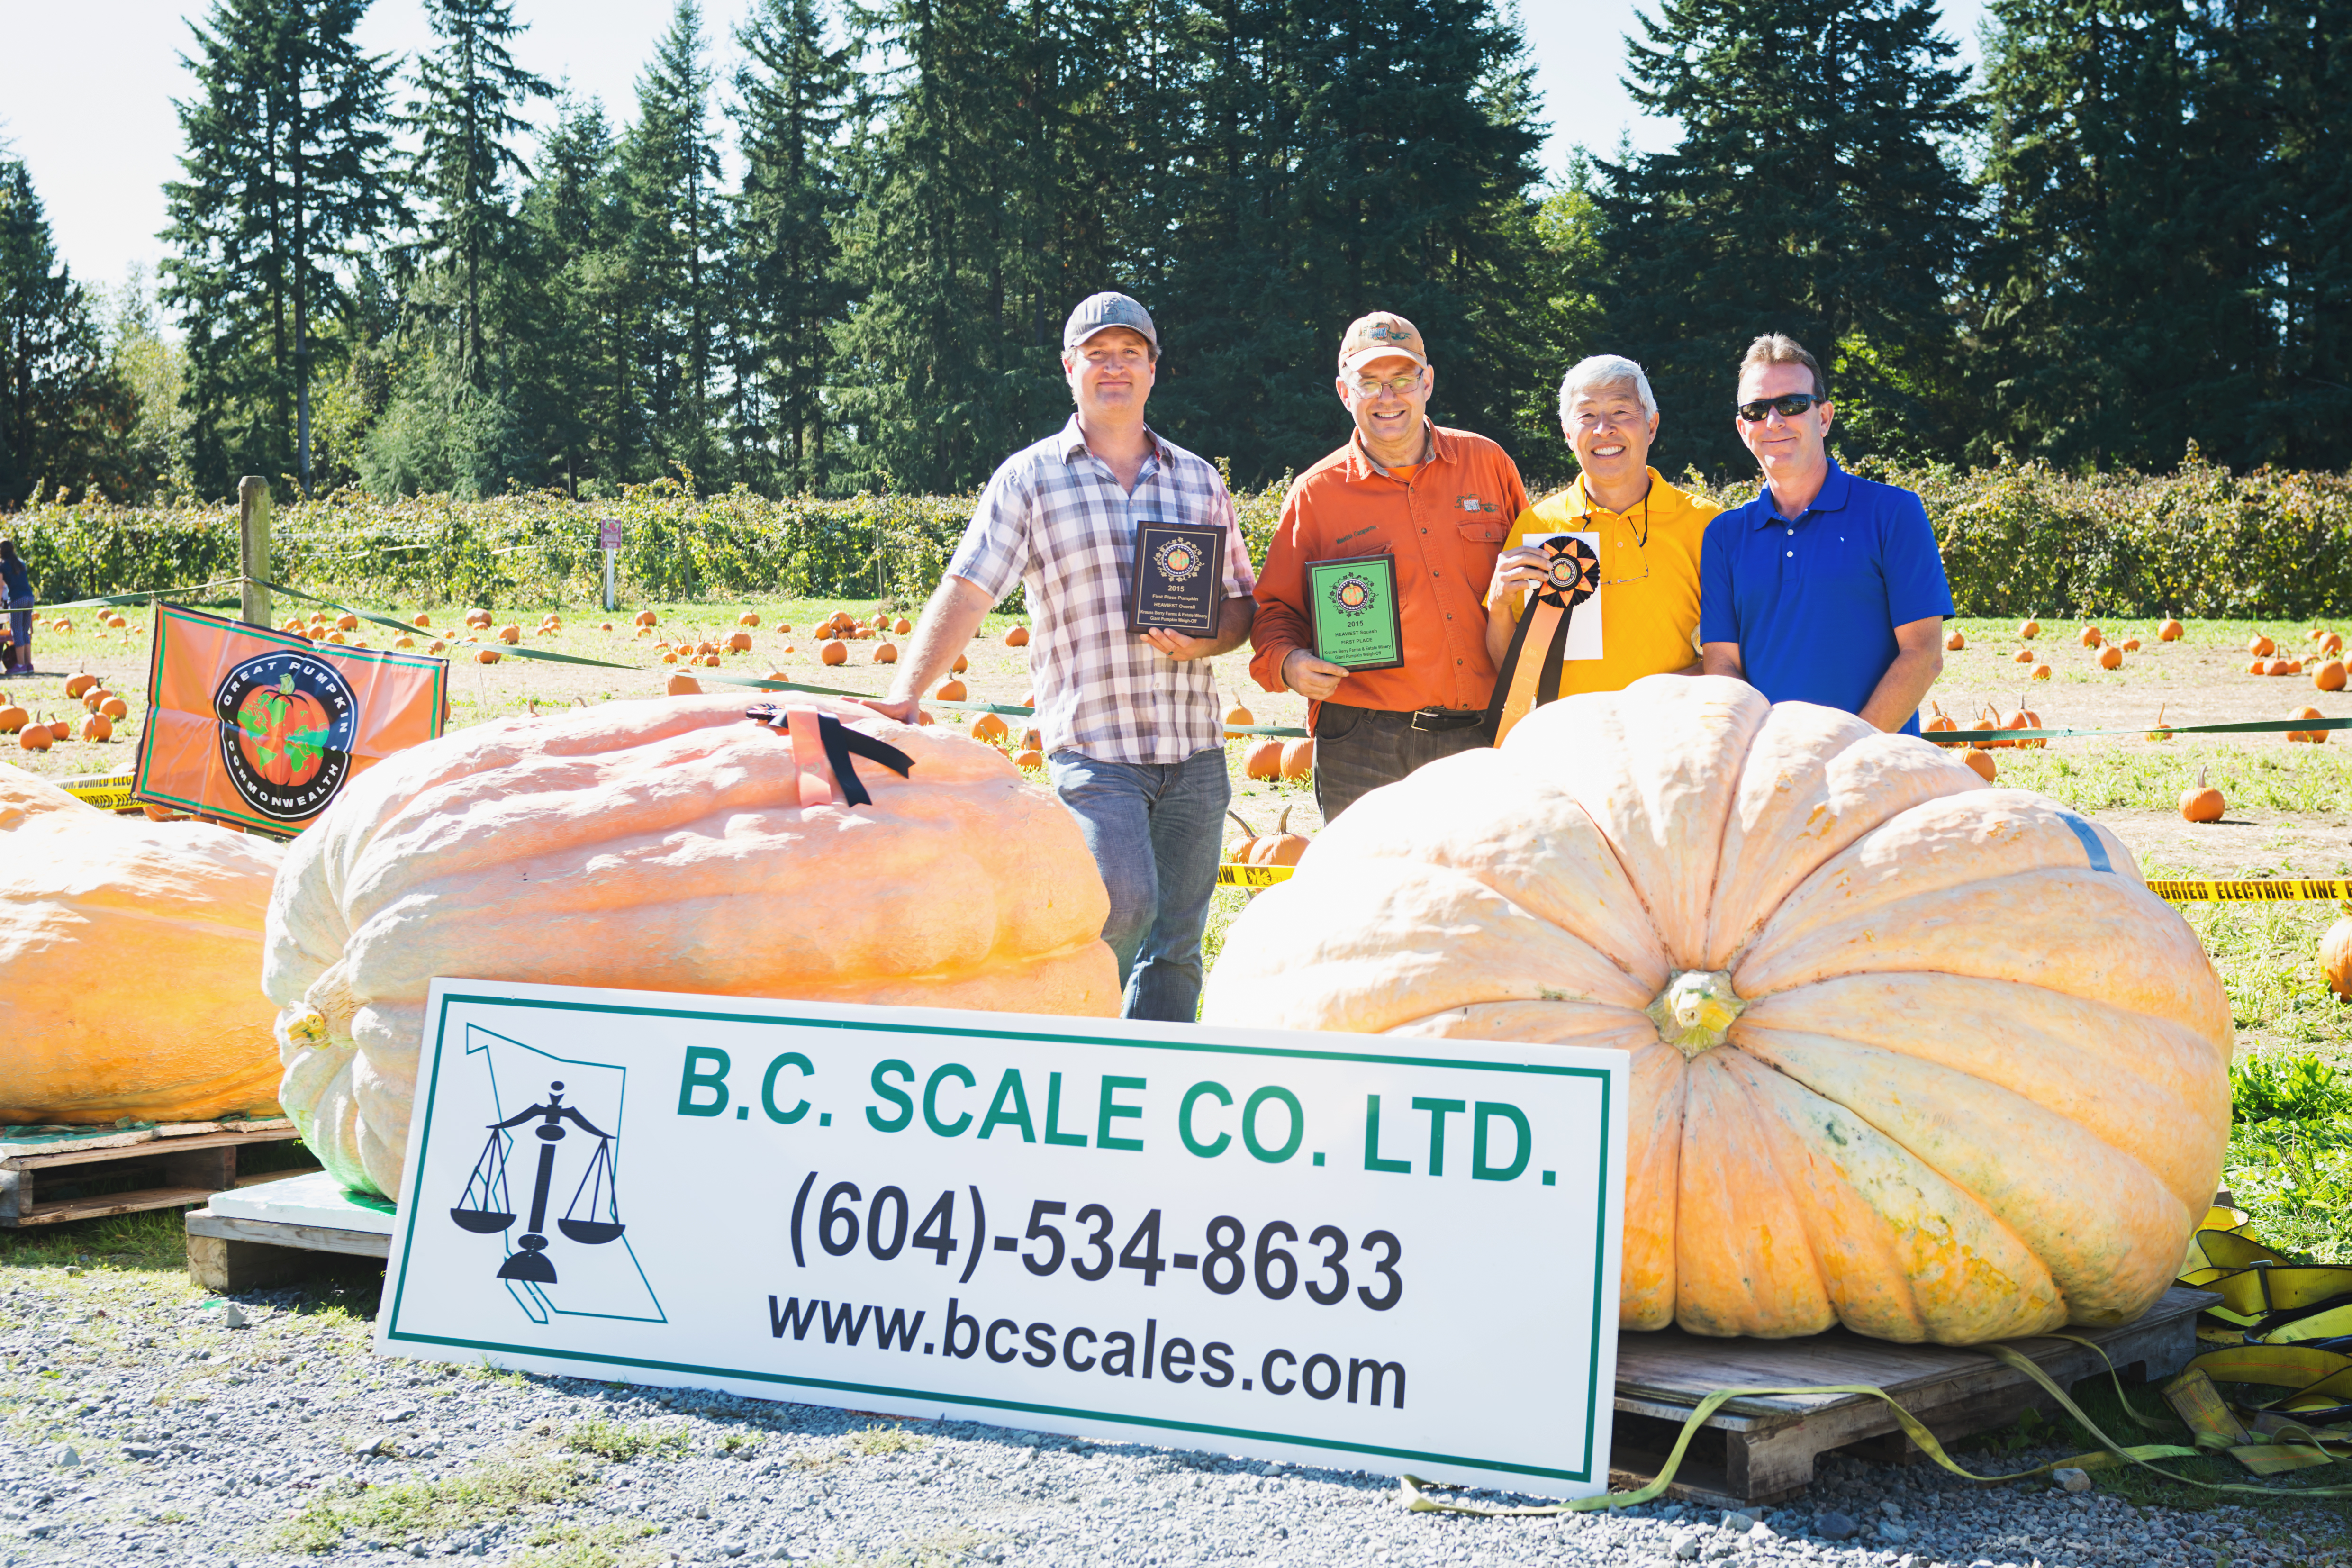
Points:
x=252 y=525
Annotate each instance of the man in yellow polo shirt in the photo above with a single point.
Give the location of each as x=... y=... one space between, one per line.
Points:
x=1642 y=608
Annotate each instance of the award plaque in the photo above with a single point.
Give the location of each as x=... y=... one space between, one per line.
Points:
x=1180 y=579
x=1352 y=606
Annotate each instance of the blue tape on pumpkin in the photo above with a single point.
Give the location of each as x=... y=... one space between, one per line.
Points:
x=2091 y=845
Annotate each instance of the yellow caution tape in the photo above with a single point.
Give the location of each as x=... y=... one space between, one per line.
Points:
x=2198 y=890
x=1234 y=874
x=108 y=792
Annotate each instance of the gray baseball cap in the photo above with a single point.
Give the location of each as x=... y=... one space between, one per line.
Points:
x=1097 y=311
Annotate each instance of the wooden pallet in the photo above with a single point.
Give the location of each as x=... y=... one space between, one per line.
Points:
x=249 y=1241
x=1761 y=1450
x=182 y=1162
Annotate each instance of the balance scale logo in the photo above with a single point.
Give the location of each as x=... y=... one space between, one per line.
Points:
x=572 y=1111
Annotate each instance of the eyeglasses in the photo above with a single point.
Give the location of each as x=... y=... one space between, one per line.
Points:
x=1399 y=386
x=1787 y=408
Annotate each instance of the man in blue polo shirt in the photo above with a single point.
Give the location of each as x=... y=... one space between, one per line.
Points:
x=1825 y=588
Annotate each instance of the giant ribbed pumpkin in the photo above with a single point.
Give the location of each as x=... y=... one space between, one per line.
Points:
x=1908 y=1053
x=130 y=963
x=661 y=845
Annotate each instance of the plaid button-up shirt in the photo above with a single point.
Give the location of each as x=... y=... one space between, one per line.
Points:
x=1054 y=518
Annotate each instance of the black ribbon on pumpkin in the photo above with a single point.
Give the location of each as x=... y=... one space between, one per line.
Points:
x=841 y=744
x=1523 y=684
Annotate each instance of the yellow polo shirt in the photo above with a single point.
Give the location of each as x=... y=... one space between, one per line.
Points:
x=1649 y=593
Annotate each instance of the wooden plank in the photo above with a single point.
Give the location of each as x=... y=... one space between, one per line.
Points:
x=1761 y=1448
x=85 y=1154
x=284 y=1233
x=258 y=1177
x=114 y=1203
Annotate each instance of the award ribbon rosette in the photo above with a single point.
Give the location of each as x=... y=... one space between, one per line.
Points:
x=1353 y=604
x=1531 y=672
x=1180 y=579
x=263 y=728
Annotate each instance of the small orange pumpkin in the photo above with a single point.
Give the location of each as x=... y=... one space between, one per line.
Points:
x=2131 y=645
x=2090 y=637
x=2312 y=736
x=487 y=656
x=1263 y=759
x=886 y=653
x=1955 y=643
x=114 y=708
x=1017 y=637
x=421 y=619
x=2170 y=630
x=902 y=626
x=97 y=727
x=2111 y=658
x=834 y=652
x=1237 y=715
x=35 y=738
x=2028 y=630
x=647 y=618
x=76 y=685
x=1982 y=763
x=2162 y=732
x=2022 y=656
x=989 y=727
x=747 y=618
x=1238 y=851
x=683 y=685
x=95 y=695
x=739 y=643
x=950 y=690
x=2256 y=668
x=2278 y=667
x=1032 y=758
x=1031 y=741
x=2261 y=647
x=2329 y=677
x=1280 y=848
x=1939 y=723
x=478 y=617
x=2331 y=645
x=2335 y=958
x=347 y=622
x=2041 y=672
x=510 y=635
x=13 y=718
x=2203 y=804
x=960 y=665
x=1299 y=758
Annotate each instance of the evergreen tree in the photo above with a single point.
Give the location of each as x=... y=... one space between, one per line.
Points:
x=1812 y=192
x=793 y=91
x=464 y=117
x=60 y=404
x=2167 y=259
x=285 y=177
x=1356 y=157
x=578 y=394
x=678 y=237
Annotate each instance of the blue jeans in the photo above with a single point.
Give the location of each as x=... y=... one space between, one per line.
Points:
x=1156 y=831
x=20 y=632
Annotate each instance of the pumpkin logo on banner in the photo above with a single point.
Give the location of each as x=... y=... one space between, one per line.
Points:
x=286 y=723
x=1177 y=560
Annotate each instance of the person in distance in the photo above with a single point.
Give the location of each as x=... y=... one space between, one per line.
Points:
x=1134 y=737
x=1437 y=502
x=1825 y=588
x=1642 y=615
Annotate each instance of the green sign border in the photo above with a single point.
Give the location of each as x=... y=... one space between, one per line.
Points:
x=1594 y=1408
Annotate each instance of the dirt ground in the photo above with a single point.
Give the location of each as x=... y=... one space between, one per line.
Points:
x=2291 y=810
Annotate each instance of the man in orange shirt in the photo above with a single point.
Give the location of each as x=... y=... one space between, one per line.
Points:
x=1438 y=502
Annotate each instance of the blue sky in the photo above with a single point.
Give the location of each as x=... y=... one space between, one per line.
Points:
x=86 y=89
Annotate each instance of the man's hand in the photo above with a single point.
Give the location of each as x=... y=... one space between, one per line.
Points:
x=1176 y=645
x=906 y=710
x=1312 y=677
x=1519 y=571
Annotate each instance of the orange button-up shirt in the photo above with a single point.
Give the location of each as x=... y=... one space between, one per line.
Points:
x=1445 y=526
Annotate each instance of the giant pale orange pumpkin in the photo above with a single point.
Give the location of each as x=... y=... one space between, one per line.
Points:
x=662 y=845
x=130 y=963
x=1908 y=1053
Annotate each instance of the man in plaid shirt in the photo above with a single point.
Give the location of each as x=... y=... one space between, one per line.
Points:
x=1134 y=739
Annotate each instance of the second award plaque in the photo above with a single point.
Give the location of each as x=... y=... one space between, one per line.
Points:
x=1180 y=579
x=1353 y=606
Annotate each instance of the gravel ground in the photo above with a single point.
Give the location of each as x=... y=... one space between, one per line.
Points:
x=142 y=1421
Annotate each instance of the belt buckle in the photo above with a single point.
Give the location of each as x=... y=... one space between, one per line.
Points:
x=1430 y=713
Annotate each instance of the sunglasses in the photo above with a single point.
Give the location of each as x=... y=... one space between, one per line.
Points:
x=1787 y=408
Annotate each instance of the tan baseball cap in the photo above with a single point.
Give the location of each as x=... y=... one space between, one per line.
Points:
x=1381 y=335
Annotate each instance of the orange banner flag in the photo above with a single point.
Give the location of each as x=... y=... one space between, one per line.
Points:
x=263 y=728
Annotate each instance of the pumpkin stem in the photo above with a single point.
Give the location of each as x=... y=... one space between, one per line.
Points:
x=1695 y=1012
x=1247 y=831
x=1282 y=823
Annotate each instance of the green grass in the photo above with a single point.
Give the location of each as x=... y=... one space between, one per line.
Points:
x=620 y=1444
x=404 y=1511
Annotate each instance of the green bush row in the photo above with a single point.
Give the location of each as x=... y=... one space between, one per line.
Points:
x=2016 y=541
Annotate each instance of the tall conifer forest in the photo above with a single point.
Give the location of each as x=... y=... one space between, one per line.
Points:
x=839 y=260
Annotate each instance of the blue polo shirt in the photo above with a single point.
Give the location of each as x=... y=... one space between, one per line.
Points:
x=1814 y=603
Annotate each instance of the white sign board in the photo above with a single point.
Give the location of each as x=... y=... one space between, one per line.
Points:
x=1371 y=1253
